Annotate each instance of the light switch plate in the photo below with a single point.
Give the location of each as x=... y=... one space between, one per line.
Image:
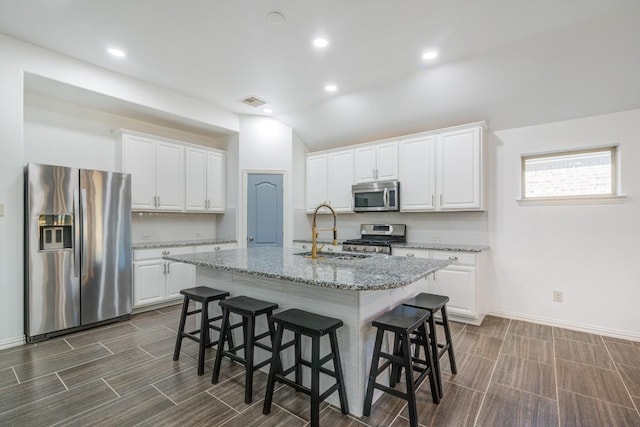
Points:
x=1 y=209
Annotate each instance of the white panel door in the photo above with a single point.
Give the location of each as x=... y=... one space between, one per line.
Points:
x=459 y=284
x=139 y=161
x=387 y=161
x=196 y=180
x=148 y=282
x=417 y=174
x=170 y=176
x=316 y=184
x=460 y=175
x=340 y=179
x=216 y=183
x=365 y=164
x=179 y=276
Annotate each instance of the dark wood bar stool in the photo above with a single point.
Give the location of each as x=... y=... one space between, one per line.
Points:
x=434 y=303
x=204 y=295
x=402 y=321
x=249 y=309
x=315 y=326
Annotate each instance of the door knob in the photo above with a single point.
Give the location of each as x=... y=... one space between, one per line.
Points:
x=251 y=239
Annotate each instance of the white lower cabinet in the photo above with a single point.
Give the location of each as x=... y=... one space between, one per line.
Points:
x=306 y=246
x=458 y=281
x=156 y=280
x=216 y=247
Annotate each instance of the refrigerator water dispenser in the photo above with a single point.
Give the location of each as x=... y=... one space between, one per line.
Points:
x=56 y=232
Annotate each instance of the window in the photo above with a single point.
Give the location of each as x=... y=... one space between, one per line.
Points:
x=570 y=174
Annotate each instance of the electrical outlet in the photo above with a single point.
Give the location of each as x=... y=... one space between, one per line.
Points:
x=557 y=296
x=146 y=236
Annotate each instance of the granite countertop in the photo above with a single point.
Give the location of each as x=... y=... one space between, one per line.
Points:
x=377 y=272
x=179 y=243
x=415 y=245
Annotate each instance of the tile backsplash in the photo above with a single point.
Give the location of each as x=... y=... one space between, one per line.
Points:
x=156 y=226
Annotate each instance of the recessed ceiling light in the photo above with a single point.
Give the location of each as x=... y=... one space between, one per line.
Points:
x=331 y=87
x=321 y=42
x=432 y=54
x=275 y=18
x=268 y=110
x=116 y=52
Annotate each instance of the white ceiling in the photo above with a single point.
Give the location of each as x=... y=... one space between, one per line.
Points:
x=510 y=62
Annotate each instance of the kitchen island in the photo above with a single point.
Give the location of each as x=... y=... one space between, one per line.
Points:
x=345 y=286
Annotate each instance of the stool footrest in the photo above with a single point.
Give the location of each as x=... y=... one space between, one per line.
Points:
x=262 y=346
x=391 y=391
x=293 y=384
x=320 y=368
x=263 y=335
x=392 y=357
x=189 y=313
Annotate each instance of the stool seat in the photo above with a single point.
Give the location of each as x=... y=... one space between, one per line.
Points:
x=307 y=323
x=314 y=326
x=203 y=295
x=401 y=318
x=430 y=302
x=247 y=306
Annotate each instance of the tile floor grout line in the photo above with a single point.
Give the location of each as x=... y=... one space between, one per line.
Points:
x=147 y=352
x=526 y=391
x=222 y=401
x=555 y=373
x=106 y=348
x=289 y=412
x=493 y=371
x=63 y=383
x=528 y=359
x=162 y=393
x=595 y=398
x=72 y=347
x=577 y=362
x=111 y=388
x=621 y=377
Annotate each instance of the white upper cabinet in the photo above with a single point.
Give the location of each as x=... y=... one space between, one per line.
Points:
x=378 y=162
x=157 y=173
x=417 y=174
x=205 y=172
x=329 y=179
x=442 y=171
x=459 y=156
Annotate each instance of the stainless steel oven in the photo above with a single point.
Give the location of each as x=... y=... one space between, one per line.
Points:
x=382 y=196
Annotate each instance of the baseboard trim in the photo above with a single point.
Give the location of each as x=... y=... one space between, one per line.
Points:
x=615 y=333
x=12 y=342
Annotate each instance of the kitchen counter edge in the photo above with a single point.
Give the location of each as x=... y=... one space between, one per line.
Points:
x=176 y=244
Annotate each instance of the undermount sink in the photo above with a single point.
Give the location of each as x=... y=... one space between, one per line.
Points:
x=336 y=255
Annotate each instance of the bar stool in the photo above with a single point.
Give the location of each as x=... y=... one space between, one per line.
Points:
x=402 y=321
x=249 y=309
x=315 y=326
x=204 y=295
x=434 y=303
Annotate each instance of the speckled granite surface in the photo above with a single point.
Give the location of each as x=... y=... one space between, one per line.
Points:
x=432 y=246
x=377 y=272
x=441 y=247
x=152 y=245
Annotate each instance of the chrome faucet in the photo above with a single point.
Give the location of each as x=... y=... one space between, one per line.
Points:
x=314 y=230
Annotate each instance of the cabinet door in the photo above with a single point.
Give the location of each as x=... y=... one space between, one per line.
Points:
x=148 y=282
x=340 y=179
x=179 y=276
x=316 y=184
x=365 y=164
x=196 y=180
x=139 y=160
x=216 y=196
x=387 y=161
x=170 y=176
x=417 y=174
x=215 y=247
x=460 y=174
x=459 y=284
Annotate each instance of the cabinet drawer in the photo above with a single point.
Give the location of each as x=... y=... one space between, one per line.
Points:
x=156 y=253
x=418 y=253
x=216 y=247
x=458 y=258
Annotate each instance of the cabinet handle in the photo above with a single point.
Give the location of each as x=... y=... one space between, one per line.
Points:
x=410 y=254
x=453 y=258
x=304 y=246
x=440 y=199
x=164 y=269
x=329 y=249
x=165 y=252
x=158 y=202
x=217 y=248
x=433 y=201
x=168 y=268
x=208 y=204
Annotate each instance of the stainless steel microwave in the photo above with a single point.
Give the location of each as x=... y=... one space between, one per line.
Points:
x=381 y=196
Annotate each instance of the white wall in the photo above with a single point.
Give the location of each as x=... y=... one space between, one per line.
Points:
x=265 y=144
x=19 y=58
x=589 y=252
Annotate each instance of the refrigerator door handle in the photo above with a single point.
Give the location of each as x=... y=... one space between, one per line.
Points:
x=85 y=227
x=76 y=232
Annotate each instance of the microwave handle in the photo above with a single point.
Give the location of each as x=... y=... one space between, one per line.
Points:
x=386 y=197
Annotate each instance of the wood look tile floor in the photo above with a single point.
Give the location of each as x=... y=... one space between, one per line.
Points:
x=510 y=373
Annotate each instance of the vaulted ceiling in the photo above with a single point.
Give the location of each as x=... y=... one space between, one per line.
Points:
x=509 y=62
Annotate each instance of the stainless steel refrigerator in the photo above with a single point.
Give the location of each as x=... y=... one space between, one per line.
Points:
x=77 y=249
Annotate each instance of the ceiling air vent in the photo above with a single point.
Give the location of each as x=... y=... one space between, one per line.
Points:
x=253 y=101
